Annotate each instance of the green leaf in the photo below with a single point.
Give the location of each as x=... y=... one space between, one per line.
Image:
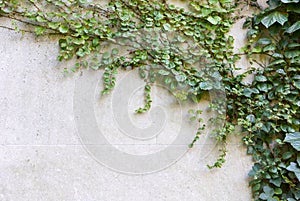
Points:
x=167 y=27
x=205 y=86
x=78 y=41
x=63 y=29
x=279 y=61
x=261 y=78
x=214 y=20
x=264 y=87
x=287 y=155
x=278 y=191
x=247 y=92
x=292 y=53
x=297 y=84
x=268 y=193
x=264 y=41
x=53 y=25
x=273 y=17
x=180 y=77
x=268 y=190
x=163 y=72
x=115 y=51
x=293 y=139
x=293 y=8
x=256 y=187
x=277 y=182
x=39 y=30
x=294 y=27
x=188 y=33
x=294 y=168
x=106 y=55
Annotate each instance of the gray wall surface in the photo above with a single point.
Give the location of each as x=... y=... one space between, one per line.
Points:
x=42 y=156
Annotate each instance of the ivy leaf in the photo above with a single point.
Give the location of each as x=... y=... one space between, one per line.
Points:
x=294 y=168
x=294 y=27
x=115 y=51
x=247 y=92
x=293 y=139
x=264 y=41
x=214 y=20
x=189 y=33
x=297 y=84
x=251 y=118
x=180 y=78
x=205 y=86
x=267 y=194
x=293 y=8
x=167 y=27
x=278 y=61
x=39 y=30
x=53 y=25
x=63 y=29
x=276 y=16
x=163 y=72
x=292 y=53
x=261 y=78
x=290 y=1
x=277 y=182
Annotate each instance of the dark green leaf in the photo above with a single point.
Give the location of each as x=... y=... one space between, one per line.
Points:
x=273 y=17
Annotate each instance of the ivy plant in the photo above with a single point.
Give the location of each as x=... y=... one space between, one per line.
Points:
x=272 y=117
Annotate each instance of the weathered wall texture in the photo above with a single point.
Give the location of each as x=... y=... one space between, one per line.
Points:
x=42 y=157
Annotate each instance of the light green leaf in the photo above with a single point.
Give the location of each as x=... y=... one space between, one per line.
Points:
x=205 y=86
x=214 y=20
x=293 y=139
x=297 y=84
x=167 y=27
x=63 y=29
x=264 y=41
x=39 y=30
x=163 y=72
x=294 y=27
x=290 y=1
x=53 y=25
x=180 y=77
x=273 y=17
x=115 y=51
x=294 y=168
x=260 y=78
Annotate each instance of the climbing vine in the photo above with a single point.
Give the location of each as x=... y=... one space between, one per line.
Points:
x=267 y=109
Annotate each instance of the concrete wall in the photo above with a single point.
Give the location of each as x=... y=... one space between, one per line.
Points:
x=42 y=156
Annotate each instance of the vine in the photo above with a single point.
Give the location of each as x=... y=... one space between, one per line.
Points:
x=270 y=104
x=267 y=109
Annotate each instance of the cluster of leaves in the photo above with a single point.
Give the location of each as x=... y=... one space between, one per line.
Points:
x=266 y=109
x=85 y=30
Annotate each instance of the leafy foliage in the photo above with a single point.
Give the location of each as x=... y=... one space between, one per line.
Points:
x=272 y=118
x=267 y=109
